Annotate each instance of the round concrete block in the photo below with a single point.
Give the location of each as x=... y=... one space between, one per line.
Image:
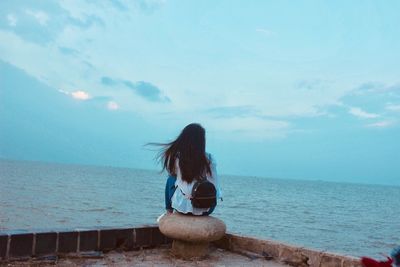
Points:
x=189 y=228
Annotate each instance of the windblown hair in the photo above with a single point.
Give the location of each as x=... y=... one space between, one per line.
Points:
x=190 y=149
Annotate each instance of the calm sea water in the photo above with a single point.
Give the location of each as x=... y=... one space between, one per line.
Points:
x=346 y=218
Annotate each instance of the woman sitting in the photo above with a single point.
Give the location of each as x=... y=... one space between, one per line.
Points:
x=192 y=172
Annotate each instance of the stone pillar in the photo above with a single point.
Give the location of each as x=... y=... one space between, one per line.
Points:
x=191 y=234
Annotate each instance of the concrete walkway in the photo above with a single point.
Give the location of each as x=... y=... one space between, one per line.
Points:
x=153 y=257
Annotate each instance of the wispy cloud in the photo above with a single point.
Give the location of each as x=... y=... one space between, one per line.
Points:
x=381 y=124
x=68 y=51
x=41 y=16
x=232 y=111
x=118 y=5
x=377 y=87
x=108 y=81
x=392 y=107
x=377 y=96
x=146 y=90
x=358 y=112
x=252 y=127
x=63 y=92
x=311 y=84
x=87 y=21
x=85 y=14
x=12 y=20
x=149 y=6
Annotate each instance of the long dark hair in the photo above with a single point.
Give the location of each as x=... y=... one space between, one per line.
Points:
x=190 y=148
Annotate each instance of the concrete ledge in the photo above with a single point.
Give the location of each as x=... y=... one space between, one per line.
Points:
x=19 y=246
x=285 y=253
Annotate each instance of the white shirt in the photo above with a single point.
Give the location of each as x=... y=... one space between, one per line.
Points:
x=181 y=202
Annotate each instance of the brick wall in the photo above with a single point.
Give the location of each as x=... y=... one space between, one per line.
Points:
x=26 y=245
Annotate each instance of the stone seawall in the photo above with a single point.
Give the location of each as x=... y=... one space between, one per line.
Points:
x=24 y=246
x=285 y=253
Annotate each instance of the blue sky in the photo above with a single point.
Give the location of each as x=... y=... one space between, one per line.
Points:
x=286 y=89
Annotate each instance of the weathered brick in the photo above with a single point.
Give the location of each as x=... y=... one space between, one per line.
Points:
x=143 y=237
x=45 y=243
x=125 y=239
x=67 y=242
x=88 y=240
x=157 y=238
x=21 y=245
x=3 y=246
x=116 y=238
x=108 y=239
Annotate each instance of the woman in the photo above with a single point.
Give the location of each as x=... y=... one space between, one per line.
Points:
x=187 y=162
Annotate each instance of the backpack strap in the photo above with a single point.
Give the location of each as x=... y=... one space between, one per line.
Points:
x=189 y=196
x=183 y=193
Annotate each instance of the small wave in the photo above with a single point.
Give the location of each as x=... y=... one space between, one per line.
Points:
x=117 y=212
x=97 y=209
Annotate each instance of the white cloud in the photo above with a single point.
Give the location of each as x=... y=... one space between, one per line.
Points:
x=392 y=107
x=111 y=105
x=381 y=124
x=80 y=95
x=358 y=112
x=39 y=15
x=12 y=20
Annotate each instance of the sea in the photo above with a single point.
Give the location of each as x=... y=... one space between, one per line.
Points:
x=351 y=219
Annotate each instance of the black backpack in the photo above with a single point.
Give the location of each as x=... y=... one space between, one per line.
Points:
x=204 y=194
